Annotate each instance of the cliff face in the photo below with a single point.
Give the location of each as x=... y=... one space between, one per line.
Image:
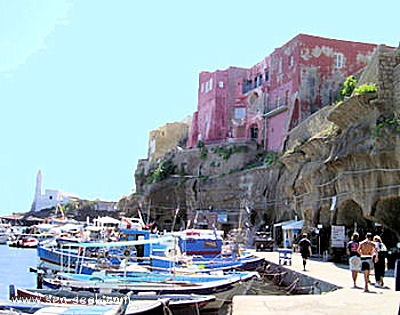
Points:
x=339 y=167
x=342 y=164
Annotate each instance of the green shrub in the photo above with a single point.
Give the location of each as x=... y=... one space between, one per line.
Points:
x=225 y=153
x=161 y=172
x=365 y=88
x=203 y=153
x=348 y=87
x=200 y=144
x=391 y=123
x=271 y=158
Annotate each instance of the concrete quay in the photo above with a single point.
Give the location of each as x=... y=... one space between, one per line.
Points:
x=344 y=299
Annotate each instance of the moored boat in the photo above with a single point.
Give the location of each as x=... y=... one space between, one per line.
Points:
x=121 y=306
x=65 y=296
x=165 y=283
x=24 y=241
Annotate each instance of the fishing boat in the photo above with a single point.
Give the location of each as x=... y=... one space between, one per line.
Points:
x=64 y=296
x=222 y=286
x=122 y=306
x=24 y=241
x=72 y=255
x=190 y=264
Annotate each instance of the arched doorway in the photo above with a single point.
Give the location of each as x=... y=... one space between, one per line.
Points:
x=386 y=213
x=350 y=214
x=254 y=132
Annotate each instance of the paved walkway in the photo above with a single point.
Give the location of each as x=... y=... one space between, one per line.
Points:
x=345 y=300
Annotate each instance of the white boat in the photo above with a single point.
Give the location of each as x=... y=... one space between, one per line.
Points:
x=5 y=233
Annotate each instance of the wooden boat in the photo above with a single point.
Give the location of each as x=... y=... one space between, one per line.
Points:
x=65 y=296
x=190 y=264
x=124 y=306
x=72 y=256
x=161 y=283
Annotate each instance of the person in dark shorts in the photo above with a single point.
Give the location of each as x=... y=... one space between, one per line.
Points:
x=367 y=249
x=379 y=261
x=305 y=249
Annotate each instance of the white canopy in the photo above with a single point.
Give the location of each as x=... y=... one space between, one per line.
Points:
x=290 y=225
x=106 y=220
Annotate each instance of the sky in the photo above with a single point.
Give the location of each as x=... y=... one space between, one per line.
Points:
x=83 y=82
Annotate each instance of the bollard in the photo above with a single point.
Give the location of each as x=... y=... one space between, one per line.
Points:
x=39 y=280
x=12 y=292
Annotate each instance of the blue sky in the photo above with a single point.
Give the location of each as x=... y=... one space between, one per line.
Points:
x=82 y=83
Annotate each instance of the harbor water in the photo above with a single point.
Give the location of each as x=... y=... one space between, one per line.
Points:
x=16 y=263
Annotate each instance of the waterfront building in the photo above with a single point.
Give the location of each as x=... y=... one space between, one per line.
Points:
x=263 y=103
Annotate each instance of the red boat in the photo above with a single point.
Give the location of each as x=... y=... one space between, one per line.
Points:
x=24 y=242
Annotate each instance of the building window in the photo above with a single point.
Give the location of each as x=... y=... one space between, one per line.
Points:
x=202 y=88
x=338 y=60
x=247 y=86
x=266 y=75
x=221 y=84
x=240 y=112
x=291 y=61
x=280 y=66
x=260 y=77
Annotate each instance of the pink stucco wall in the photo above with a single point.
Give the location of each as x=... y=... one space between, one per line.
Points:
x=276 y=130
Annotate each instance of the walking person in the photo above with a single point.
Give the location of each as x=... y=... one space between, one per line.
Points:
x=379 y=261
x=354 y=257
x=367 y=249
x=305 y=249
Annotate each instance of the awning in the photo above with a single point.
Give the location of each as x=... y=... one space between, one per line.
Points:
x=290 y=225
x=296 y=225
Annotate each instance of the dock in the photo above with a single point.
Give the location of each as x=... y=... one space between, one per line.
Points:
x=344 y=299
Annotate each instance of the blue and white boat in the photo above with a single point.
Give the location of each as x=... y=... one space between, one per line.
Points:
x=71 y=256
x=224 y=287
x=161 y=283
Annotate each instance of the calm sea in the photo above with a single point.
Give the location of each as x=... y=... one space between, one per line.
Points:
x=14 y=268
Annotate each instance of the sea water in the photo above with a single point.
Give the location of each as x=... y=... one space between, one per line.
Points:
x=14 y=268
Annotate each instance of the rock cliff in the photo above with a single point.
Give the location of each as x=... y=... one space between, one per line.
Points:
x=339 y=167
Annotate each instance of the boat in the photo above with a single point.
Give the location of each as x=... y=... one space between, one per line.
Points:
x=24 y=241
x=5 y=232
x=190 y=264
x=71 y=255
x=64 y=296
x=161 y=283
x=122 y=306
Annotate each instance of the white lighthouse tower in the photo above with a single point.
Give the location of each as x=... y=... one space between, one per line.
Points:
x=38 y=191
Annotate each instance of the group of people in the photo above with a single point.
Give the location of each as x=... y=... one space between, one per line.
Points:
x=368 y=254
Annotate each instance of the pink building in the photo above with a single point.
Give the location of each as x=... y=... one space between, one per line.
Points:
x=266 y=101
x=216 y=99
